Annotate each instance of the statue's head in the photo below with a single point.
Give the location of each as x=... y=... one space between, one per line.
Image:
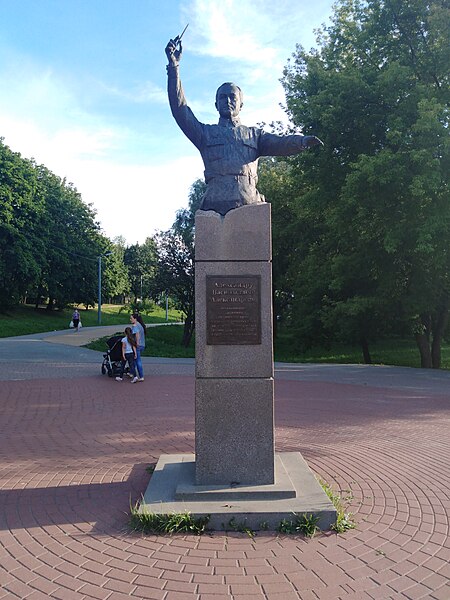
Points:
x=229 y=100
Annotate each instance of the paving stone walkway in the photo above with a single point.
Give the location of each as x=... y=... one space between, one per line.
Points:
x=74 y=452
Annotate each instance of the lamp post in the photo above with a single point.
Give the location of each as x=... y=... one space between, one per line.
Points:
x=167 y=305
x=99 y=258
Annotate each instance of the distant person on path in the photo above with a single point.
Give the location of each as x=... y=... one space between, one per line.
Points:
x=75 y=319
x=129 y=353
x=139 y=329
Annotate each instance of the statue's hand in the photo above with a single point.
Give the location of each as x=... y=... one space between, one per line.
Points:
x=311 y=140
x=174 y=52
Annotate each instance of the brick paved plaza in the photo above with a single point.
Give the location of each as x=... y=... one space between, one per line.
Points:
x=74 y=451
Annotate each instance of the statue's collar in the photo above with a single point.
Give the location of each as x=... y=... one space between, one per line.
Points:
x=223 y=122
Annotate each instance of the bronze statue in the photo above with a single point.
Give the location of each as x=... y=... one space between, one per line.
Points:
x=230 y=151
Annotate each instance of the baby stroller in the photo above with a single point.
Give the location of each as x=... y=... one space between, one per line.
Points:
x=113 y=357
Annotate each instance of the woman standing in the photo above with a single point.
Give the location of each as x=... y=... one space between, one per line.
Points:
x=139 y=329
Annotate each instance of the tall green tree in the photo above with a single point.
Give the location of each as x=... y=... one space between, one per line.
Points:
x=49 y=238
x=277 y=183
x=141 y=261
x=72 y=240
x=21 y=211
x=176 y=259
x=116 y=282
x=374 y=203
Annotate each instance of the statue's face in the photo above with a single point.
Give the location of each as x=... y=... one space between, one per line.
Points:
x=228 y=100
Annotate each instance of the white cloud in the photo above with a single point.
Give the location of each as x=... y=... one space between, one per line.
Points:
x=255 y=36
x=134 y=201
x=34 y=97
x=55 y=117
x=41 y=118
x=131 y=200
x=232 y=30
x=252 y=40
x=143 y=93
x=258 y=33
x=56 y=149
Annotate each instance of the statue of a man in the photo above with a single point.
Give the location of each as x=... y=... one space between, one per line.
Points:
x=230 y=151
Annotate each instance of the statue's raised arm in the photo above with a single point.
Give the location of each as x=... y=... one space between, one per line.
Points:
x=230 y=150
x=181 y=112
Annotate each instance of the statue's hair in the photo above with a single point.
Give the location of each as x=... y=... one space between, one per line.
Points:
x=241 y=95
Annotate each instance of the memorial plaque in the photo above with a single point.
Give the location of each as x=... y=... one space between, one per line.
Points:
x=233 y=309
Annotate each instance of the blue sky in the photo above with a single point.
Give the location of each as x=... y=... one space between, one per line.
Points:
x=83 y=90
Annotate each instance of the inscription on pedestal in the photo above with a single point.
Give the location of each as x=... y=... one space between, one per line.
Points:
x=233 y=309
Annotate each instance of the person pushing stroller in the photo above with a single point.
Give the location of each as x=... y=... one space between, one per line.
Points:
x=129 y=353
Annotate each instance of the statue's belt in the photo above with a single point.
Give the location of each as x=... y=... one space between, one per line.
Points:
x=236 y=177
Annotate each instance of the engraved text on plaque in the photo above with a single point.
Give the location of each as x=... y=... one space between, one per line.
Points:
x=233 y=309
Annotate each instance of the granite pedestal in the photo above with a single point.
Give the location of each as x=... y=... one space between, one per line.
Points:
x=235 y=471
x=173 y=490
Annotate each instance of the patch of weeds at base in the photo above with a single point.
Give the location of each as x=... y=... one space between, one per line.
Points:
x=306 y=524
x=150 y=468
x=149 y=522
x=344 y=520
x=233 y=525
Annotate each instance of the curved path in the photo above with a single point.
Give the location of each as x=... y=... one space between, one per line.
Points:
x=74 y=447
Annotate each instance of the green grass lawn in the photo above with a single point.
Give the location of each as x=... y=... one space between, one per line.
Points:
x=160 y=341
x=166 y=341
x=399 y=352
x=25 y=319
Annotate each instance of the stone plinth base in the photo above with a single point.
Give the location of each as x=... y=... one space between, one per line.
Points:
x=172 y=489
x=234 y=440
x=234 y=424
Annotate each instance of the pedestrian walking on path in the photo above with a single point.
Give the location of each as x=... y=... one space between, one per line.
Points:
x=76 y=320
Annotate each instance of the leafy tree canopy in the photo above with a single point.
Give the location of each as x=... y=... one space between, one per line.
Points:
x=369 y=249
x=176 y=258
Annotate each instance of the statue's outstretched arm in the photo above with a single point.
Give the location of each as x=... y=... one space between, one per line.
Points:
x=271 y=144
